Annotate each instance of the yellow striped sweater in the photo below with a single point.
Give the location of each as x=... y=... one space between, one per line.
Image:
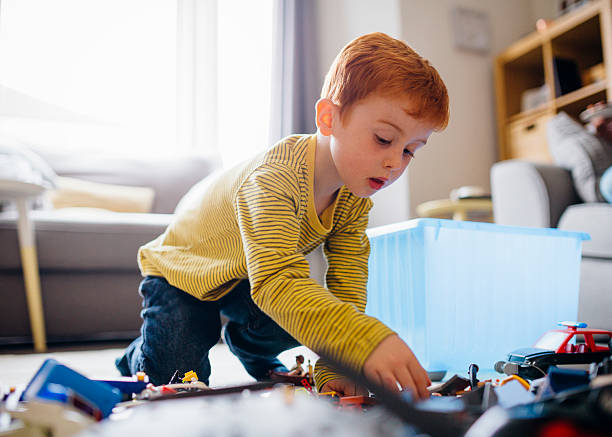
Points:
x=258 y=221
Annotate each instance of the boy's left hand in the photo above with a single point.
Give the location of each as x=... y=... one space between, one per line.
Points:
x=344 y=387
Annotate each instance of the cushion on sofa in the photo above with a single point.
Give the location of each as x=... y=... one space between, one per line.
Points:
x=71 y=192
x=585 y=154
x=596 y=220
x=18 y=161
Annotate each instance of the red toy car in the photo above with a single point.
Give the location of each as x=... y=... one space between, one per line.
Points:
x=574 y=345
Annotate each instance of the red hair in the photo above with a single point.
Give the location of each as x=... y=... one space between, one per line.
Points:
x=378 y=63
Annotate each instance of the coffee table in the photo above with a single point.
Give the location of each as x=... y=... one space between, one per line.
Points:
x=458 y=208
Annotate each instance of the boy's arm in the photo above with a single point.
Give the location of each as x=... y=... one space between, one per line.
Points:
x=267 y=208
x=392 y=362
x=347 y=251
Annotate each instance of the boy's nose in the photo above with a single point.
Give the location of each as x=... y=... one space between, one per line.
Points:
x=393 y=161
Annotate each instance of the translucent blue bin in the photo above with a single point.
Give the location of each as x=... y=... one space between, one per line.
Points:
x=467 y=292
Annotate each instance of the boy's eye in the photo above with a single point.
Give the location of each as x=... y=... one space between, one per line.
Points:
x=409 y=153
x=382 y=140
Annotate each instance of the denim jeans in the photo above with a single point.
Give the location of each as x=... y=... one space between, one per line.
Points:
x=178 y=330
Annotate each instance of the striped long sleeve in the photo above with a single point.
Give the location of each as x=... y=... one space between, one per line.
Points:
x=347 y=250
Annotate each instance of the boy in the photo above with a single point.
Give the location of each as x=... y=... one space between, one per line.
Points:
x=238 y=241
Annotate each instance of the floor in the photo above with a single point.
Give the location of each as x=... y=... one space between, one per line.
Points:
x=96 y=361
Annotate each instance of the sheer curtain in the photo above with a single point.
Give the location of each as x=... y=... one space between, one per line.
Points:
x=225 y=61
x=295 y=74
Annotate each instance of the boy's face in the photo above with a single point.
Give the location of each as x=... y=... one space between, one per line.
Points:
x=375 y=142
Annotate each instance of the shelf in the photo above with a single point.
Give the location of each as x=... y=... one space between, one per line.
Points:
x=566 y=23
x=542 y=109
x=572 y=58
x=581 y=94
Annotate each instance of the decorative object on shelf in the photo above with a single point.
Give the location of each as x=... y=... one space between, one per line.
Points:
x=534 y=97
x=567 y=77
x=594 y=74
x=565 y=6
x=542 y=24
x=470 y=30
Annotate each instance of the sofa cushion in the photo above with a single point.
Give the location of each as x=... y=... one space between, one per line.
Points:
x=76 y=240
x=596 y=220
x=72 y=192
x=585 y=154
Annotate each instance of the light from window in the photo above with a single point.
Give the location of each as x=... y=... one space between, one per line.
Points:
x=90 y=75
x=106 y=75
x=245 y=60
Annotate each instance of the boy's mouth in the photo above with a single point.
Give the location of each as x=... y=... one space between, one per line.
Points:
x=377 y=183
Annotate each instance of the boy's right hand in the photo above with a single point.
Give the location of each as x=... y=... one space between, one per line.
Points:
x=393 y=362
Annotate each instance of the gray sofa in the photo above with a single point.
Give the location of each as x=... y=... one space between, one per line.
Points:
x=87 y=262
x=539 y=195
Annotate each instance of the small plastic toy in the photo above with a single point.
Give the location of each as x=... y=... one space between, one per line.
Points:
x=310 y=371
x=330 y=395
x=298 y=369
x=128 y=385
x=190 y=376
x=455 y=384
x=473 y=376
x=50 y=419
x=55 y=382
x=361 y=403
x=557 y=347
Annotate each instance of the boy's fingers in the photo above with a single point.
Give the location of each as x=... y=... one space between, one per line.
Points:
x=422 y=381
x=390 y=382
x=406 y=381
x=362 y=391
x=375 y=376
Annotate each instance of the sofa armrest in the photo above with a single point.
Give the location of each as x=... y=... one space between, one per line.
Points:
x=530 y=194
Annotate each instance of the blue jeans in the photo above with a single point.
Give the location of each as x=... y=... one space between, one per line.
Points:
x=178 y=330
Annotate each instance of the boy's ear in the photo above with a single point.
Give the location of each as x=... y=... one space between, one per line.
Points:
x=325 y=116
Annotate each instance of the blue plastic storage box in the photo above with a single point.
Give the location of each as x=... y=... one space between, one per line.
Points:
x=467 y=292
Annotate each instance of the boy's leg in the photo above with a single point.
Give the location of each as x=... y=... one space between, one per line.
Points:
x=176 y=334
x=253 y=336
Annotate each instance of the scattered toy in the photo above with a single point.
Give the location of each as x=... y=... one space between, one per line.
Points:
x=557 y=347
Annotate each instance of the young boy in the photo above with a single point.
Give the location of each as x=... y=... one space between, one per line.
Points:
x=238 y=243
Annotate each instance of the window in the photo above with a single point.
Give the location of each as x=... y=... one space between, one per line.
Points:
x=129 y=75
x=245 y=60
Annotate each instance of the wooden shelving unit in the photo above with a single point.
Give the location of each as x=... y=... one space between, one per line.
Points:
x=558 y=59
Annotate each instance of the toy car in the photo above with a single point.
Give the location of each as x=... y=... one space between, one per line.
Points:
x=573 y=345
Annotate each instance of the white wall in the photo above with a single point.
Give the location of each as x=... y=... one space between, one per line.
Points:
x=464 y=153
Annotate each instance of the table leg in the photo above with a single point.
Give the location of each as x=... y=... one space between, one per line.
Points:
x=29 y=263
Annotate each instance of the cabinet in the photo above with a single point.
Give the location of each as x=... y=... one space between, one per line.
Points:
x=566 y=66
